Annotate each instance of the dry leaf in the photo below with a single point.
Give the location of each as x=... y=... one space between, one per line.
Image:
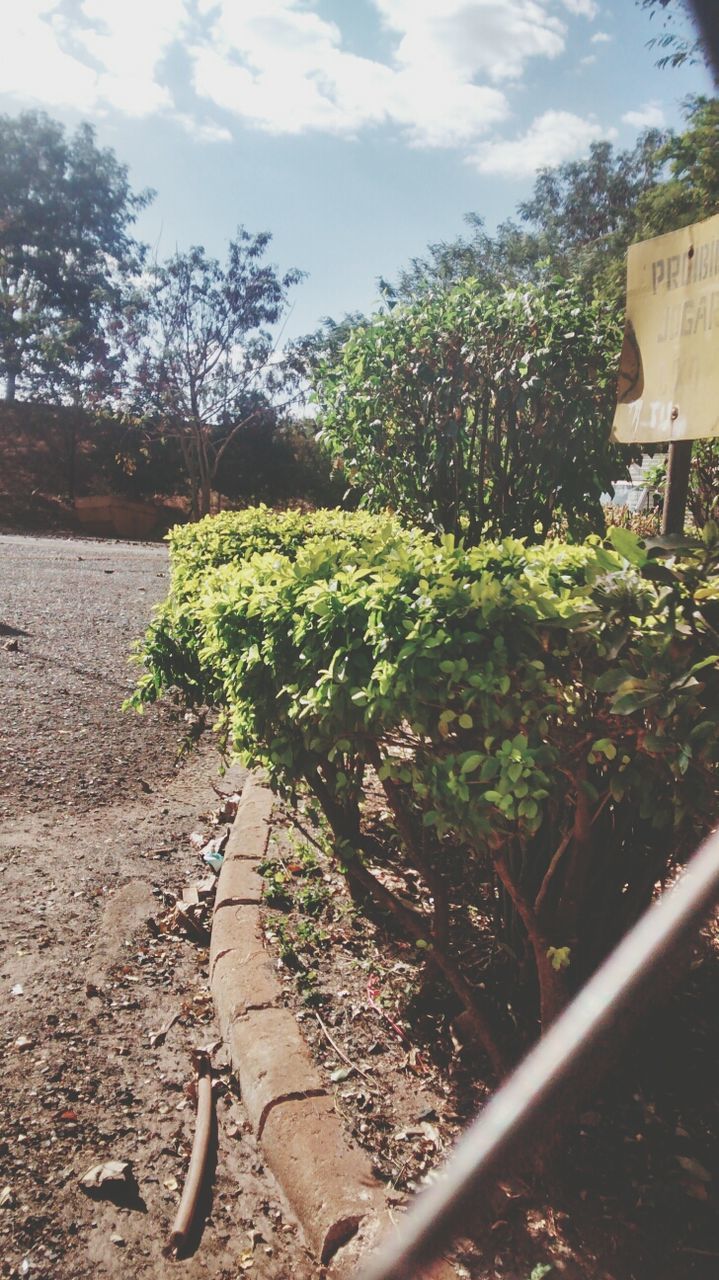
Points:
x=110 y=1171
x=158 y=1037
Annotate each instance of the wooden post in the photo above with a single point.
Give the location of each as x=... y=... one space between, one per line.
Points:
x=677 y=488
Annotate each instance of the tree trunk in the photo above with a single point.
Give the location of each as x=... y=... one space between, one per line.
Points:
x=577 y=869
x=71 y=459
x=554 y=987
x=203 y=464
x=10 y=384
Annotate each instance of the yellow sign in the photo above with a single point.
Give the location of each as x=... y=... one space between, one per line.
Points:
x=669 y=371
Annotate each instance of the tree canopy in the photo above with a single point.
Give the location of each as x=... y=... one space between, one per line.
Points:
x=479 y=413
x=203 y=349
x=689 y=190
x=582 y=215
x=66 y=254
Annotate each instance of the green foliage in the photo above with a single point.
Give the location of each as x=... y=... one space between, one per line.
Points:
x=65 y=257
x=202 y=351
x=690 y=190
x=479 y=413
x=676 y=39
x=296 y=887
x=232 y=538
x=546 y=715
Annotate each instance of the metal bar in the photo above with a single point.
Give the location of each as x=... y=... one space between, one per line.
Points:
x=677 y=487
x=559 y=1063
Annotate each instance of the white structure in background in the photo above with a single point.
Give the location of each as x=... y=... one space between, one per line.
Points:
x=634 y=493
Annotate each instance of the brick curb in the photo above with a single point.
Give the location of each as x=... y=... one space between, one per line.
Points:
x=329 y=1184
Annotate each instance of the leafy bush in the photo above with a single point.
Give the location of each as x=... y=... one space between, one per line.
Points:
x=479 y=413
x=231 y=538
x=542 y=716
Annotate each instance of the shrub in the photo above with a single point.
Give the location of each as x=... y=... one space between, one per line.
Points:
x=477 y=413
x=545 y=716
x=231 y=538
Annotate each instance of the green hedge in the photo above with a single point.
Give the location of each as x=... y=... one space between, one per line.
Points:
x=547 y=716
x=231 y=538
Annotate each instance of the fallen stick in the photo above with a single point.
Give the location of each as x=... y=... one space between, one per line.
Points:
x=341 y=1054
x=194 y=1181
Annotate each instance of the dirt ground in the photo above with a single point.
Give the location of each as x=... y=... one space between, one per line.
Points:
x=95 y=820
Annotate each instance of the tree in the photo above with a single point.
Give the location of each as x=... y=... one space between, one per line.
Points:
x=689 y=190
x=492 y=261
x=66 y=255
x=578 y=222
x=203 y=353
x=583 y=214
x=679 y=47
x=479 y=414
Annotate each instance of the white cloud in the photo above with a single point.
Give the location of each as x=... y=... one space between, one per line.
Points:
x=588 y=60
x=201 y=130
x=468 y=38
x=551 y=139
x=105 y=55
x=281 y=66
x=650 y=116
x=128 y=40
x=585 y=8
x=34 y=64
x=601 y=37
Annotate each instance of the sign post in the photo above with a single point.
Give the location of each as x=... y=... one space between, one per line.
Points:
x=677 y=486
x=669 y=371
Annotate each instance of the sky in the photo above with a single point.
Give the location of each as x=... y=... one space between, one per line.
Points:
x=356 y=131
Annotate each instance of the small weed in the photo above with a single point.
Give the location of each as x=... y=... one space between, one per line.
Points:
x=313 y=938
x=288 y=952
x=295 y=884
x=276 y=878
x=311 y=898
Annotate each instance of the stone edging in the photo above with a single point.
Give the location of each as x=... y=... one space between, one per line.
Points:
x=329 y=1184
